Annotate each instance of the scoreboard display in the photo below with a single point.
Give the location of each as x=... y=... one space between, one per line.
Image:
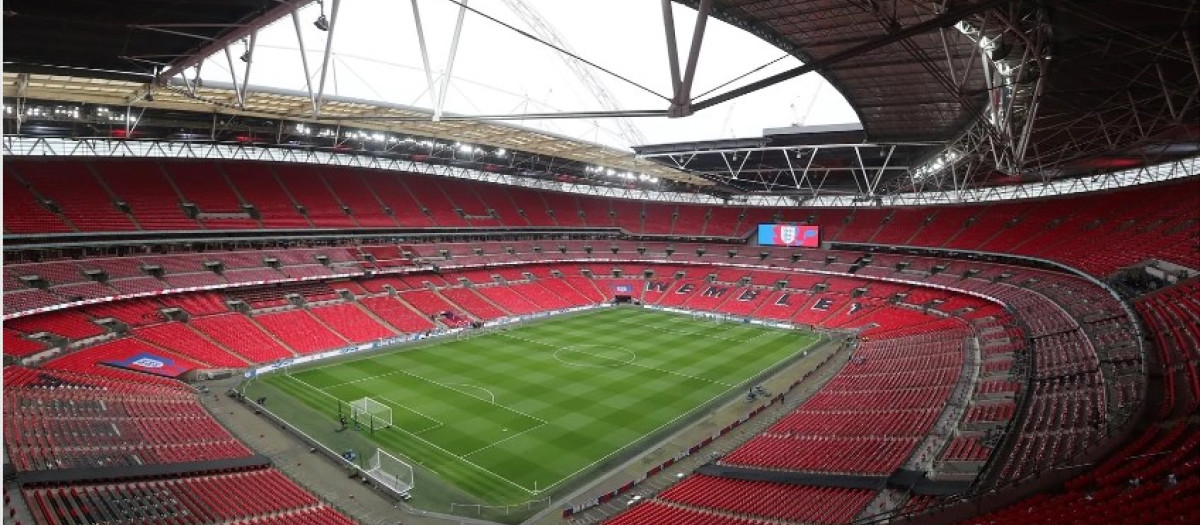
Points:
x=805 y=236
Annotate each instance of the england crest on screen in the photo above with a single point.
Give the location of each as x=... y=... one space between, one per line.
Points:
x=787 y=234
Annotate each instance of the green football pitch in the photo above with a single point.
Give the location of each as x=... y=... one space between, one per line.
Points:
x=510 y=414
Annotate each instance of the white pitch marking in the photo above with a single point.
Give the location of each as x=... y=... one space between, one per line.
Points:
x=438 y=422
x=490 y=393
x=664 y=425
x=447 y=452
x=575 y=348
x=631 y=363
x=481 y=449
x=443 y=385
x=665 y=329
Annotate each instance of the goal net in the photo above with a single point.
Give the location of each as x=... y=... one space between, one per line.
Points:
x=371 y=413
x=710 y=317
x=389 y=471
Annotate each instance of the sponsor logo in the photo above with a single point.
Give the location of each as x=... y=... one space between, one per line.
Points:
x=146 y=362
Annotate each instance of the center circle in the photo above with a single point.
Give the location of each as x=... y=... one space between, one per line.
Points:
x=594 y=356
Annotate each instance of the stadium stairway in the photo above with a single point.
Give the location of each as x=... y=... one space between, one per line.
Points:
x=767 y=500
x=437 y=292
x=310 y=190
x=467 y=298
x=202 y=335
x=24 y=211
x=271 y=335
x=349 y=321
x=377 y=319
x=367 y=208
x=242 y=334
x=181 y=339
x=437 y=323
x=489 y=300
x=587 y=287
x=91 y=168
x=765 y=297
x=398 y=313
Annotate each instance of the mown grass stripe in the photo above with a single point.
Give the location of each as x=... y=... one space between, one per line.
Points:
x=549 y=419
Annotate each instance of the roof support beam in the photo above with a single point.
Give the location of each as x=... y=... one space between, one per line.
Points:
x=672 y=46
x=249 y=59
x=237 y=89
x=214 y=45
x=1192 y=56
x=167 y=29
x=194 y=84
x=425 y=58
x=946 y=19
x=734 y=173
x=681 y=101
x=949 y=57
x=458 y=25
x=1027 y=130
x=304 y=60
x=803 y=179
x=328 y=51
x=684 y=97
x=513 y=116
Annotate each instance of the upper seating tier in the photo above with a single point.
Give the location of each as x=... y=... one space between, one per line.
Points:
x=1146 y=221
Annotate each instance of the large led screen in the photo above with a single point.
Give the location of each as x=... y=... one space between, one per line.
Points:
x=789 y=235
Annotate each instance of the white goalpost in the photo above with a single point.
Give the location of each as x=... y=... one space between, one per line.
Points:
x=390 y=471
x=710 y=317
x=382 y=467
x=370 y=413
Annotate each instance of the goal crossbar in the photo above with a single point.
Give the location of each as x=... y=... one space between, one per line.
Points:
x=372 y=413
x=390 y=471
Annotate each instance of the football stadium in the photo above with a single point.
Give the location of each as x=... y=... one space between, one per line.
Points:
x=554 y=262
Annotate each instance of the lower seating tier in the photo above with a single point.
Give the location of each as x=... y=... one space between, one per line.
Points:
x=770 y=500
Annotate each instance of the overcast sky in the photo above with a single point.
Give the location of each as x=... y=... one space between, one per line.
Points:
x=497 y=71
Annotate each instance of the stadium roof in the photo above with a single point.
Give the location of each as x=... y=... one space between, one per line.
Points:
x=915 y=89
x=128 y=39
x=951 y=95
x=1013 y=92
x=272 y=109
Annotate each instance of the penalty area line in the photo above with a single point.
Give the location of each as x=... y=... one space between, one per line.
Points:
x=437 y=422
x=481 y=449
x=438 y=447
x=440 y=384
x=491 y=394
x=460 y=391
x=465 y=460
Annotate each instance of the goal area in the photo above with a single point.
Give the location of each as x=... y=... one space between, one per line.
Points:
x=389 y=471
x=367 y=412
